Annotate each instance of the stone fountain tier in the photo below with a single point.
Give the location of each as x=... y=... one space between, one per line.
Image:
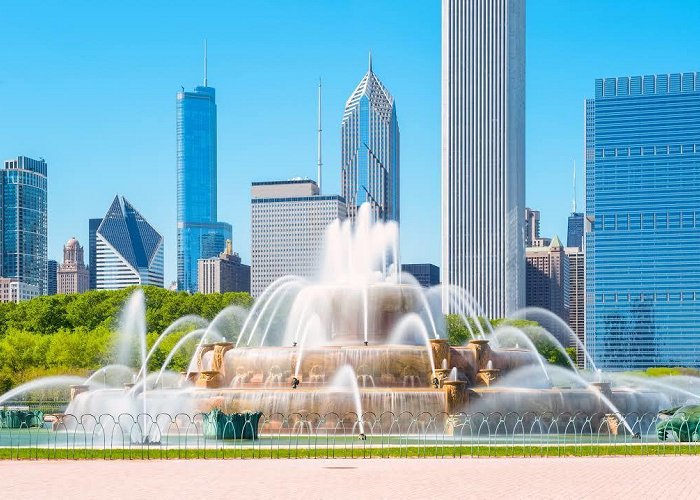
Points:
x=341 y=310
x=374 y=365
x=326 y=401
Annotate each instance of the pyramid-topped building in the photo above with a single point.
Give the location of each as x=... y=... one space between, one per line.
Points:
x=129 y=251
x=370 y=149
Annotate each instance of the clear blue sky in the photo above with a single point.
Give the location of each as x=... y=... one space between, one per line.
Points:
x=91 y=88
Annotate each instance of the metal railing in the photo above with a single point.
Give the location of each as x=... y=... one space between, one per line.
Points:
x=217 y=435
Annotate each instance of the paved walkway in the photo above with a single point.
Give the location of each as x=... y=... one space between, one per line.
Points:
x=541 y=478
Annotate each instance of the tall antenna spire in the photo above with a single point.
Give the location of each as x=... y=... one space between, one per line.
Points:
x=370 y=61
x=573 y=200
x=320 y=163
x=205 y=62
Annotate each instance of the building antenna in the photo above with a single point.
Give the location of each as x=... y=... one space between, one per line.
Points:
x=370 y=60
x=573 y=201
x=320 y=162
x=205 y=62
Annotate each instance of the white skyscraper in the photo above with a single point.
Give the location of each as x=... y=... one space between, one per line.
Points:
x=483 y=151
x=289 y=221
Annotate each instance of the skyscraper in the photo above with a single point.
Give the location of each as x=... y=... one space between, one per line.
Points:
x=577 y=300
x=483 y=151
x=370 y=150
x=128 y=250
x=643 y=221
x=288 y=227
x=72 y=274
x=199 y=234
x=94 y=224
x=548 y=282
x=51 y=277
x=574 y=235
x=23 y=220
x=532 y=226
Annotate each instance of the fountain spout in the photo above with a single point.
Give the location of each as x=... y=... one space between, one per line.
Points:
x=295 y=382
x=366 y=343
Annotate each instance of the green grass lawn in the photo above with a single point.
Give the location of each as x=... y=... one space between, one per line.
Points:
x=357 y=451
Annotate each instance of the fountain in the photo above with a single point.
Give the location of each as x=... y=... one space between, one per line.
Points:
x=361 y=339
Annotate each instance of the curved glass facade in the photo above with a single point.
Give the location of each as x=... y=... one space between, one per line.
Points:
x=643 y=221
x=199 y=234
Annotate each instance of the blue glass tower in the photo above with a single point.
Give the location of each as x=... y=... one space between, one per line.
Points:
x=23 y=220
x=574 y=235
x=643 y=221
x=370 y=149
x=199 y=234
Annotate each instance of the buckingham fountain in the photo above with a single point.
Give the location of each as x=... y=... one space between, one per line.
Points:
x=363 y=339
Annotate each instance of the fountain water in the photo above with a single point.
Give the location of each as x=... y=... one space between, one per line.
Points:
x=362 y=338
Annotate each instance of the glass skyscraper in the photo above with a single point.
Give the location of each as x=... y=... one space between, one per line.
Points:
x=574 y=236
x=643 y=221
x=370 y=150
x=199 y=234
x=23 y=220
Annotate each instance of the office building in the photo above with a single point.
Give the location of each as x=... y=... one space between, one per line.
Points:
x=577 y=300
x=574 y=236
x=224 y=273
x=128 y=250
x=548 y=283
x=92 y=245
x=51 y=277
x=483 y=152
x=426 y=275
x=643 y=221
x=12 y=290
x=199 y=234
x=289 y=220
x=73 y=276
x=532 y=226
x=370 y=150
x=23 y=220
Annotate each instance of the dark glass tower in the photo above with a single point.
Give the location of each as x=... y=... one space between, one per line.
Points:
x=574 y=236
x=199 y=234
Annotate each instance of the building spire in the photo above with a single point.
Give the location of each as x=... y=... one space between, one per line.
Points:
x=573 y=200
x=370 y=60
x=205 y=62
x=320 y=162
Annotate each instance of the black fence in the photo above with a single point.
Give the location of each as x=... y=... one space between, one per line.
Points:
x=26 y=433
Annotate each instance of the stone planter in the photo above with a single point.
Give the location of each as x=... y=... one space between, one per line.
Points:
x=220 y=425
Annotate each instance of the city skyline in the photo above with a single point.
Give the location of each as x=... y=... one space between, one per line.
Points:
x=148 y=70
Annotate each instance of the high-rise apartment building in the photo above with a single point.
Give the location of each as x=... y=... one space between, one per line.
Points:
x=643 y=221
x=289 y=220
x=23 y=220
x=548 y=282
x=73 y=276
x=426 y=275
x=577 y=300
x=483 y=152
x=370 y=150
x=199 y=234
x=51 y=277
x=128 y=250
x=224 y=273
